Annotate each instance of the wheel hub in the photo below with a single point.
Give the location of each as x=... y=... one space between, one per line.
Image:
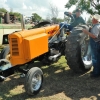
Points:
x=85 y=55
x=36 y=82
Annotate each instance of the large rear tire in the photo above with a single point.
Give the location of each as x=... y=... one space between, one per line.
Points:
x=76 y=50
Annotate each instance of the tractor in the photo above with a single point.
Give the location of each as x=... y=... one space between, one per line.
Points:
x=43 y=43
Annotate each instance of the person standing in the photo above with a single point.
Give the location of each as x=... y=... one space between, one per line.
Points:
x=95 y=44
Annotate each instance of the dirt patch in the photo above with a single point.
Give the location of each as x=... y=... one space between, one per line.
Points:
x=60 y=83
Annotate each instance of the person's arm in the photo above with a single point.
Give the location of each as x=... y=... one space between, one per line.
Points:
x=72 y=17
x=89 y=33
x=67 y=13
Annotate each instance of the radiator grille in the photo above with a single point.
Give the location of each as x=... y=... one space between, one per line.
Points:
x=15 y=50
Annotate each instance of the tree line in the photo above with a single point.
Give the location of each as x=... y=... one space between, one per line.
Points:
x=90 y=6
x=51 y=16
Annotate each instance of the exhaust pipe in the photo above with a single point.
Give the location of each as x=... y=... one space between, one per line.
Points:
x=54 y=58
x=22 y=22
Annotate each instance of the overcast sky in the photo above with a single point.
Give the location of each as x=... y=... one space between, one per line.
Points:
x=41 y=7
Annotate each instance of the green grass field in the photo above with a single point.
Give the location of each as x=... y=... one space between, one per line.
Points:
x=60 y=83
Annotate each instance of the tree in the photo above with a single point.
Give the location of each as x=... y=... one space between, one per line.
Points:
x=36 y=17
x=89 y=21
x=17 y=14
x=48 y=17
x=90 y=6
x=59 y=20
x=53 y=13
x=3 y=10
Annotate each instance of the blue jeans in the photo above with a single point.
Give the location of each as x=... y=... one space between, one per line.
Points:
x=67 y=26
x=95 y=52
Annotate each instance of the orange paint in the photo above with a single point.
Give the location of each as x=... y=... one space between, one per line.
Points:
x=29 y=44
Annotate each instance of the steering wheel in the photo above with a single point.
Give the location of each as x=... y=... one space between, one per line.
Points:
x=71 y=16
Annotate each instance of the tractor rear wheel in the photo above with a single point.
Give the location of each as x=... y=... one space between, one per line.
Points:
x=77 y=50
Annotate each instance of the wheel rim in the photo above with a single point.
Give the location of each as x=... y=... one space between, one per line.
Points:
x=85 y=55
x=36 y=82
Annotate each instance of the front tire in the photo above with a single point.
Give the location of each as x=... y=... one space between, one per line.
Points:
x=34 y=80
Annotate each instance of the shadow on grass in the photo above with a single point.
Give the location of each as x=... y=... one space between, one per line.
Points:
x=58 y=78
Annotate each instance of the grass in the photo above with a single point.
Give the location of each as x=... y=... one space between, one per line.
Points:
x=14 y=26
x=60 y=83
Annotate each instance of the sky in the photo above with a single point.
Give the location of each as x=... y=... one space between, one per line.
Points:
x=41 y=7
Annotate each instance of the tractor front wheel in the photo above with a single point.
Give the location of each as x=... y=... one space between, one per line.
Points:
x=34 y=80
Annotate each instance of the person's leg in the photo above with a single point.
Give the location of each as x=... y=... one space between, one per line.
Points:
x=63 y=25
x=98 y=56
x=70 y=27
x=94 y=53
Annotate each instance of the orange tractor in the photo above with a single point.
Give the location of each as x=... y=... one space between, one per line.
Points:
x=43 y=44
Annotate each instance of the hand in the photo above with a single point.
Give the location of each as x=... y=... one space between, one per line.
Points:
x=85 y=31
